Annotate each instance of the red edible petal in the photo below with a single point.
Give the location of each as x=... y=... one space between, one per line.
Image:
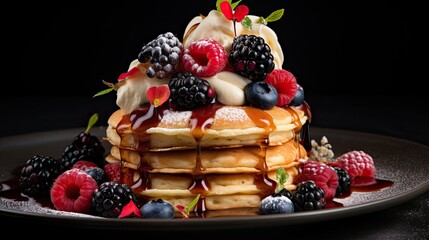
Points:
x=129 y=73
x=130 y=210
x=158 y=95
x=240 y=12
x=226 y=9
x=180 y=208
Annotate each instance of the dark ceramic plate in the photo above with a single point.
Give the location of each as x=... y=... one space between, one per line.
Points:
x=403 y=162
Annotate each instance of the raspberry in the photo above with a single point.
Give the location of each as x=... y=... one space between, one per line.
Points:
x=285 y=84
x=323 y=175
x=357 y=164
x=204 y=58
x=113 y=171
x=84 y=165
x=72 y=191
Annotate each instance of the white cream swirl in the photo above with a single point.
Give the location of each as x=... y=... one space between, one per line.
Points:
x=227 y=85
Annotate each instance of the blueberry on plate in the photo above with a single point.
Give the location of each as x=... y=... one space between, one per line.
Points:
x=157 y=209
x=275 y=205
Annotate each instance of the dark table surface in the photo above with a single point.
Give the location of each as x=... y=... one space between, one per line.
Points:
x=380 y=115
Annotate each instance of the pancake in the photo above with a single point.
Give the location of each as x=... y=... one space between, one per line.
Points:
x=229 y=155
x=218 y=127
x=234 y=160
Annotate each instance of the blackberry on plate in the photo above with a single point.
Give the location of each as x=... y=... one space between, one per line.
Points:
x=109 y=199
x=84 y=146
x=284 y=192
x=73 y=153
x=251 y=57
x=344 y=181
x=163 y=53
x=188 y=92
x=308 y=197
x=38 y=174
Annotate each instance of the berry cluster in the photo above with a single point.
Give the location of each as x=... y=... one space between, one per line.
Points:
x=319 y=183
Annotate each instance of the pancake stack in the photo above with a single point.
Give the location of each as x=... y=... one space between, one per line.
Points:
x=229 y=155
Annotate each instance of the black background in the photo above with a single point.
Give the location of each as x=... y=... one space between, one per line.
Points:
x=358 y=62
x=362 y=65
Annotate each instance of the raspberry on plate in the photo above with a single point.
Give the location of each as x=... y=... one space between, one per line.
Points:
x=324 y=176
x=113 y=171
x=204 y=58
x=84 y=165
x=72 y=191
x=358 y=164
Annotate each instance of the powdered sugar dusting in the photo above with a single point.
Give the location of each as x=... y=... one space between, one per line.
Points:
x=231 y=114
x=174 y=117
x=32 y=207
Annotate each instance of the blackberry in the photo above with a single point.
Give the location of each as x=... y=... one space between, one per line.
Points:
x=251 y=57
x=109 y=199
x=344 y=181
x=188 y=92
x=164 y=54
x=284 y=192
x=308 y=197
x=88 y=152
x=97 y=174
x=38 y=174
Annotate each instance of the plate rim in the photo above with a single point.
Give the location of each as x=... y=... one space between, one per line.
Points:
x=221 y=222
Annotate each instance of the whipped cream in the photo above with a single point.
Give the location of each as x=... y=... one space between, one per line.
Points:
x=217 y=27
x=229 y=86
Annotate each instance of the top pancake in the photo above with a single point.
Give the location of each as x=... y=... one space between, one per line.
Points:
x=228 y=126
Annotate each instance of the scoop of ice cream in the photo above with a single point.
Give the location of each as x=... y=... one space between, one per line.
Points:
x=217 y=27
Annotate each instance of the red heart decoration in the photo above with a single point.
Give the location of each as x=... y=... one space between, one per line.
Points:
x=158 y=95
x=130 y=210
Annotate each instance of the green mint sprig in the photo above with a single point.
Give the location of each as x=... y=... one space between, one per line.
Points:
x=185 y=210
x=274 y=16
x=281 y=177
x=92 y=120
x=233 y=5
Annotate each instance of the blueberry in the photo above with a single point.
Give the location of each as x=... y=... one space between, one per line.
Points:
x=275 y=205
x=299 y=97
x=260 y=94
x=97 y=174
x=157 y=209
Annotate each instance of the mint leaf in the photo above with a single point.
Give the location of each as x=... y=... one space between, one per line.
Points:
x=192 y=204
x=103 y=92
x=281 y=177
x=92 y=120
x=247 y=22
x=234 y=5
x=262 y=20
x=274 y=16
